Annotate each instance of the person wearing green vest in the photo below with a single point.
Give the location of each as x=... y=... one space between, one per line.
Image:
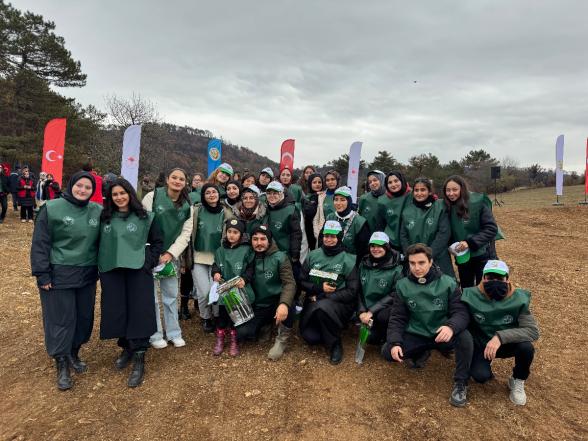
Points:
x=501 y=326
x=64 y=259
x=427 y=313
x=391 y=205
x=265 y=177
x=220 y=177
x=378 y=273
x=368 y=202
x=473 y=228
x=356 y=231
x=314 y=218
x=250 y=210
x=274 y=289
x=293 y=191
x=207 y=233
x=332 y=183
x=173 y=214
x=231 y=260
x=234 y=189
x=424 y=220
x=197 y=181
x=129 y=249
x=329 y=278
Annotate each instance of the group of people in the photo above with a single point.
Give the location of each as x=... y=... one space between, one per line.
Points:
x=301 y=251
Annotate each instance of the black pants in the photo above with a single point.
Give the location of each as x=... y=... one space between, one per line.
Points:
x=223 y=320
x=26 y=212
x=320 y=328
x=68 y=318
x=14 y=201
x=186 y=284
x=470 y=273
x=523 y=353
x=3 y=206
x=263 y=315
x=414 y=345
x=380 y=326
x=128 y=307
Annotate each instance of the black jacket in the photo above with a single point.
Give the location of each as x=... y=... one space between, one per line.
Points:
x=488 y=230
x=5 y=183
x=13 y=182
x=399 y=314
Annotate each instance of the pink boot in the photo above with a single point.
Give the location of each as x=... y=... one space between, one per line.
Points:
x=219 y=345
x=234 y=348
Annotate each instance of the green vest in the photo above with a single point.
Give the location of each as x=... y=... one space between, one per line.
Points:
x=341 y=264
x=428 y=305
x=376 y=283
x=391 y=210
x=195 y=196
x=422 y=225
x=490 y=316
x=169 y=218
x=210 y=230
x=122 y=242
x=462 y=228
x=267 y=283
x=233 y=262
x=279 y=223
x=351 y=229
x=328 y=205
x=368 y=207
x=297 y=193
x=74 y=232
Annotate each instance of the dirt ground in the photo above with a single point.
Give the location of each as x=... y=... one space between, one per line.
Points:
x=189 y=394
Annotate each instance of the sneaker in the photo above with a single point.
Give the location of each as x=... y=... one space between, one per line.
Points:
x=459 y=394
x=30 y=221
x=159 y=344
x=23 y=220
x=178 y=342
x=517 y=391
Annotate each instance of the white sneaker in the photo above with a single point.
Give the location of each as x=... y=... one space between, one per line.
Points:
x=517 y=391
x=23 y=220
x=159 y=344
x=178 y=342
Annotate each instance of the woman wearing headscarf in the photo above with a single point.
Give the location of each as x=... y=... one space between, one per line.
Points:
x=368 y=202
x=390 y=207
x=293 y=191
x=234 y=189
x=250 y=209
x=425 y=220
x=64 y=255
x=329 y=278
x=130 y=246
x=313 y=217
x=173 y=212
x=332 y=183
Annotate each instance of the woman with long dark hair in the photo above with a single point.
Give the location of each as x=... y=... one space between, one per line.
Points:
x=472 y=225
x=130 y=246
x=64 y=259
x=173 y=212
x=313 y=217
x=303 y=180
x=390 y=207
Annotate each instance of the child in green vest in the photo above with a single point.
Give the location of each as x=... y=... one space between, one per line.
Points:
x=231 y=260
x=501 y=326
x=427 y=314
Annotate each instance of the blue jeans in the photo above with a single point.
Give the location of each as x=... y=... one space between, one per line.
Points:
x=169 y=296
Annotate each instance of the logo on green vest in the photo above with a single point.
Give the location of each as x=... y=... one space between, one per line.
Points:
x=437 y=304
x=338 y=267
x=93 y=222
x=363 y=279
x=479 y=317
x=412 y=304
x=131 y=227
x=390 y=211
x=430 y=222
x=219 y=227
x=107 y=228
x=316 y=265
x=278 y=225
x=238 y=266
x=507 y=319
x=180 y=215
x=366 y=209
x=68 y=220
x=382 y=283
x=268 y=274
x=159 y=209
x=465 y=221
x=410 y=225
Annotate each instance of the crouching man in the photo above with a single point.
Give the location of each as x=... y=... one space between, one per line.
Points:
x=501 y=327
x=427 y=314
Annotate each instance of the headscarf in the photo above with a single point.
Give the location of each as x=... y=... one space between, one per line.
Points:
x=205 y=204
x=404 y=187
x=311 y=178
x=68 y=194
x=233 y=201
x=381 y=177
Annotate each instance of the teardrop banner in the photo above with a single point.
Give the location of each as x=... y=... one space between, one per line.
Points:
x=559 y=177
x=129 y=167
x=585 y=202
x=287 y=155
x=353 y=172
x=215 y=153
x=53 y=149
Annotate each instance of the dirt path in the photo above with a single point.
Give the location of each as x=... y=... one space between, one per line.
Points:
x=189 y=394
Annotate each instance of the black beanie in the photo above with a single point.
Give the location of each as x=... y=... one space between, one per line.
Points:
x=236 y=224
x=263 y=229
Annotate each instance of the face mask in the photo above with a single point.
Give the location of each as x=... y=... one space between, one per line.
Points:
x=496 y=289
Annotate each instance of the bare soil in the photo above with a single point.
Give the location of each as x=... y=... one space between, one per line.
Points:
x=190 y=394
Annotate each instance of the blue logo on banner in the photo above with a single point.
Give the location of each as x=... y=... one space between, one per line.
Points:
x=214 y=154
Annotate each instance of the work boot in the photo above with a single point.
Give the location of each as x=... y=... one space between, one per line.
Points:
x=184 y=311
x=78 y=365
x=234 y=345
x=459 y=394
x=336 y=353
x=277 y=350
x=219 y=345
x=64 y=381
x=136 y=375
x=123 y=359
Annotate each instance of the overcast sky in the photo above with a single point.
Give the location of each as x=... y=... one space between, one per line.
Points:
x=409 y=77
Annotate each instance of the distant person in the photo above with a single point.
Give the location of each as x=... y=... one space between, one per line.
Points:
x=237 y=176
x=51 y=189
x=97 y=196
x=4 y=190
x=368 y=202
x=427 y=314
x=13 y=186
x=64 y=258
x=391 y=205
x=39 y=190
x=502 y=326
x=197 y=182
x=26 y=196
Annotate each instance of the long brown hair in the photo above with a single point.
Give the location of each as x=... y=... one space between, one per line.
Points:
x=184 y=194
x=304 y=182
x=461 y=205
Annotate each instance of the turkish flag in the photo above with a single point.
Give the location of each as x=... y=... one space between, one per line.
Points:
x=53 y=148
x=287 y=155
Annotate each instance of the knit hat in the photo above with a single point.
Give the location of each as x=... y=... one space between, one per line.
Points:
x=236 y=224
x=275 y=186
x=379 y=238
x=268 y=171
x=332 y=227
x=226 y=168
x=497 y=267
x=262 y=229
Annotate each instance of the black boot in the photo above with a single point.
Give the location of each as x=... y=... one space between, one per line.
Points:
x=208 y=325
x=64 y=381
x=78 y=365
x=184 y=311
x=123 y=359
x=336 y=353
x=136 y=376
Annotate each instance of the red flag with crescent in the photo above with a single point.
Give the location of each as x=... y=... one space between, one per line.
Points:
x=287 y=155
x=53 y=148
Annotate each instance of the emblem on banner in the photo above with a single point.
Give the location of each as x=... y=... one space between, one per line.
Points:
x=214 y=154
